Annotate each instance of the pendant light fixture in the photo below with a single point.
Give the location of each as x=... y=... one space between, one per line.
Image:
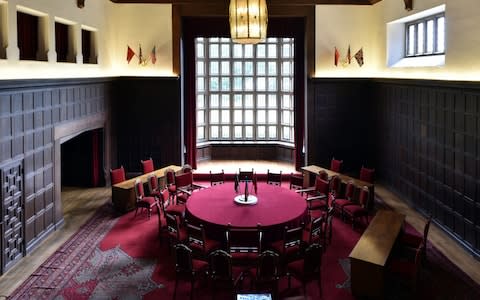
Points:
x=248 y=21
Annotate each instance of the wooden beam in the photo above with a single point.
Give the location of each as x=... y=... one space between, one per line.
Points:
x=270 y=3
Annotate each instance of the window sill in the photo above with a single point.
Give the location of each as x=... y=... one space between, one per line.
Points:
x=420 y=61
x=213 y=143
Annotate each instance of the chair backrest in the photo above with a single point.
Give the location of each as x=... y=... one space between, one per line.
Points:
x=323 y=175
x=183 y=180
x=350 y=190
x=183 y=259
x=312 y=260
x=139 y=192
x=196 y=235
x=117 y=175
x=321 y=185
x=217 y=178
x=364 y=196
x=186 y=168
x=335 y=184
x=292 y=237
x=244 y=239
x=367 y=174
x=169 y=176
x=153 y=184
x=267 y=266
x=172 y=225
x=246 y=175
x=336 y=165
x=274 y=178
x=316 y=229
x=220 y=265
x=296 y=181
x=147 y=166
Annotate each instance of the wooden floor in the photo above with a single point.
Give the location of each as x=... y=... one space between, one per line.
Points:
x=80 y=204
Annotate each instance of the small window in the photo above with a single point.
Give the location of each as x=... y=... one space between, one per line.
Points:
x=64 y=42
x=425 y=36
x=89 y=46
x=30 y=37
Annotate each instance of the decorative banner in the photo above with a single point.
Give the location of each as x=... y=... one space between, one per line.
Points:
x=336 y=57
x=130 y=54
x=153 y=55
x=359 y=57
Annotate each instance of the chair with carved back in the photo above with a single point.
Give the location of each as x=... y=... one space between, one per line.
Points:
x=267 y=272
x=413 y=240
x=170 y=183
x=405 y=269
x=187 y=268
x=147 y=165
x=117 y=175
x=290 y=246
x=274 y=178
x=222 y=272
x=199 y=243
x=335 y=185
x=185 y=186
x=142 y=201
x=296 y=181
x=153 y=186
x=169 y=206
x=244 y=243
x=360 y=209
x=307 y=268
x=175 y=233
x=317 y=195
x=217 y=178
x=314 y=232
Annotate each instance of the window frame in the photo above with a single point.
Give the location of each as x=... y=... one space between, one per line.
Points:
x=279 y=92
x=424 y=21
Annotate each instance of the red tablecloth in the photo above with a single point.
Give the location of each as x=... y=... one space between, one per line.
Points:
x=276 y=206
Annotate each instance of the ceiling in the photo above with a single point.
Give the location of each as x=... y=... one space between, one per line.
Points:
x=269 y=2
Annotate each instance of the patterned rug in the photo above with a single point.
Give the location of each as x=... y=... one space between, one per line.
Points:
x=80 y=270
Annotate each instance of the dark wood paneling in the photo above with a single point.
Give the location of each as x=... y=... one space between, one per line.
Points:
x=29 y=112
x=340 y=124
x=246 y=152
x=146 y=116
x=427 y=146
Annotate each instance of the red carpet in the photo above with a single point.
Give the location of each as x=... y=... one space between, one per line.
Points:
x=128 y=261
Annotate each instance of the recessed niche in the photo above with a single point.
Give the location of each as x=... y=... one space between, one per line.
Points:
x=31 y=36
x=3 y=30
x=64 y=42
x=89 y=46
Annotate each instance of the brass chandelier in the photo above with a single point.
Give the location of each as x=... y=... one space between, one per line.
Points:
x=248 y=21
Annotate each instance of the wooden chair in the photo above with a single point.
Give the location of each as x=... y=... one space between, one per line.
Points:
x=308 y=268
x=168 y=206
x=274 y=178
x=335 y=185
x=185 y=186
x=336 y=165
x=314 y=232
x=412 y=240
x=186 y=168
x=217 y=178
x=244 y=244
x=147 y=166
x=153 y=187
x=406 y=269
x=290 y=246
x=117 y=175
x=318 y=195
x=222 y=271
x=170 y=183
x=186 y=267
x=267 y=272
x=340 y=202
x=246 y=175
x=142 y=201
x=176 y=234
x=355 y=211
x=296 y=181
x=199 y=243
x=367 y=174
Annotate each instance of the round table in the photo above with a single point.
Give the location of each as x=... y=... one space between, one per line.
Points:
x=215 y=208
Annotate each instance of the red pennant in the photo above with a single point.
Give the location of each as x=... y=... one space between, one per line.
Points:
x=337 y=56
x=130 y=54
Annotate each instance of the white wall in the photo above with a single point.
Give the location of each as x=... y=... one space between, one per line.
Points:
x=339 y=26
x=117 y=26
x=147 y=25
x=92 y=15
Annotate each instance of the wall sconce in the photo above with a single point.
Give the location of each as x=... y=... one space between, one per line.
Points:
x=408 y=4
x=81 y=3
x=248 y=21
